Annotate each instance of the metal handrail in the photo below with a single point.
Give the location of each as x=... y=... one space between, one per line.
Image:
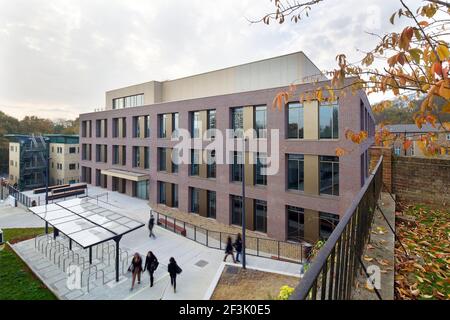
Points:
x=319 y=265
x=258 y=251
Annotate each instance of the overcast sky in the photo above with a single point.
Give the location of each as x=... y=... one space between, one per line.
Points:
x=58 y=57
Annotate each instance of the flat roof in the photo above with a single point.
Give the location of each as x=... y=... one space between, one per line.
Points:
x=84 y=222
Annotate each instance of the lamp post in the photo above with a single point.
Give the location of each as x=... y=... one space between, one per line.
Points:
x=243 y=205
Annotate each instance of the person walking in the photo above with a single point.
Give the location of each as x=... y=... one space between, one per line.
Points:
x=173 y=270
x=151 y=224
x=136 y=269
x=238 y=246
x=151 y=264
x=229 y=250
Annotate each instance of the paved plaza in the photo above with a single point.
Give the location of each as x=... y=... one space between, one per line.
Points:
x=200 y=264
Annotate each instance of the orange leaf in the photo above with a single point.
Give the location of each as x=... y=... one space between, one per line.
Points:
x=407 y=144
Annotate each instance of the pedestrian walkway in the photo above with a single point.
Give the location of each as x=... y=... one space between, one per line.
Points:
x=200 y=264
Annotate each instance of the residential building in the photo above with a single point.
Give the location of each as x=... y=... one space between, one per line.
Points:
x=28 y=160
x=403 y=132
x=303 y=200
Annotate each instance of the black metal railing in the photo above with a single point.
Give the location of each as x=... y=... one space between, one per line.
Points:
x=8 y=190
x=333 y=272
x=260 y=247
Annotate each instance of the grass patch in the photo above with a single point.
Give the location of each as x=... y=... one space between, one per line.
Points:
x=16 y=279
x=238 y=284
x=425 y=272
x=15 y=235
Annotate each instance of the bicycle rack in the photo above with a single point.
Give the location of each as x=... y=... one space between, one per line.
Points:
x=103 y=278
x=89 y=270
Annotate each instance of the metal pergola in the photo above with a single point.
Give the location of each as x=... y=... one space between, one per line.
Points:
x=86 y=224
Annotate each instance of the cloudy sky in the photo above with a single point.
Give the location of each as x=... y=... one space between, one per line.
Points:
x=58 y=57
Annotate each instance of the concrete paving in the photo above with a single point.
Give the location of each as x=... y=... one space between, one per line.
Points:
x=200 y=264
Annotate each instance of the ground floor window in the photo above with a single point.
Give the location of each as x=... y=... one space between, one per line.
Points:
x=261 y=216
x=236 y=210
x=195 y=200
x=328 y=222
x=161 y=192
x=211 y=204
x=295 y=223
x=142 y=189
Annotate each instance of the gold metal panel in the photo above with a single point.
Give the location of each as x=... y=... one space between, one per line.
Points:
x=249 y=169
x=168 y=160
x=169 y=125
x=249 y=216
x=203 y=170
x=169 y=200
x=311 y=172
x=141 y=155
x=204 y=122
x=311 y=233
x=248 y=118
x=120 y=160
x=311 y=122
x=142 y=127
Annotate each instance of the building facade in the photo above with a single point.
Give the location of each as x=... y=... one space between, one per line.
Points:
x=28 y=160
x=128 y=148
x=403 y=132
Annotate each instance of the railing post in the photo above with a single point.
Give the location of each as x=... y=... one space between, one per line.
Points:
x=165 y=225
x=278 y=249
x=257 y=247
x=174 y=225
x=220 y=240
x=207 y=237
x=195 y=233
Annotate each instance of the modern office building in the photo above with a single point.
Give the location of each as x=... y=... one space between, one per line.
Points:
x=128 y=147
x=28 y=160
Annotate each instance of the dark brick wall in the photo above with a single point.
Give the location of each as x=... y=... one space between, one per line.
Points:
x=421 y=180
x=375 y=153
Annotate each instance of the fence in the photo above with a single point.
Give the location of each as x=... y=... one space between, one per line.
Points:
x=7 y=190
x=261 y=247
x=333 y=271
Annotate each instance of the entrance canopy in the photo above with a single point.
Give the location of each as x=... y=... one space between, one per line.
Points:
x=84 y=222
x=127 y=175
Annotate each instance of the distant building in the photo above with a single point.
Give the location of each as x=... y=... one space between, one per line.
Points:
x=403 y=132
x=28 y=160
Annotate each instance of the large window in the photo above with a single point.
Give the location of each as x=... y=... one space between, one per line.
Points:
x=236 y=169
x=211 y=123
x=295 y=121
x=174 y=195
x=261 y=216
x=136 y=157
x=195 y=200
x=175 y=125
x=161 y=192
x=329 y=121
x=195 y=162
x=162 y=159
x=329 y=175
x=236 y=210
x=136 y=127
x=211 y=195
x=162 y=125
x=237 y=121
x=127 y=102
x=115 y=155
x=295 y=223
x=260 y=179
x=119 y=128
x=146 y=157
x=195 y=124
x=175 y=160
x=142 y=189
x=328 y=221
x=296 y=172
x=260 y=124
x=211 y=164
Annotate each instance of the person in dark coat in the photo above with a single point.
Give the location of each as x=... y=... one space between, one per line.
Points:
x=229 y=250
x=173 y=270
x=238 y=246
x=151 y=263
x=151 y=224
x=136 y=269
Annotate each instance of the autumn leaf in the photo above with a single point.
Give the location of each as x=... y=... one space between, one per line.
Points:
x=407 y=144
